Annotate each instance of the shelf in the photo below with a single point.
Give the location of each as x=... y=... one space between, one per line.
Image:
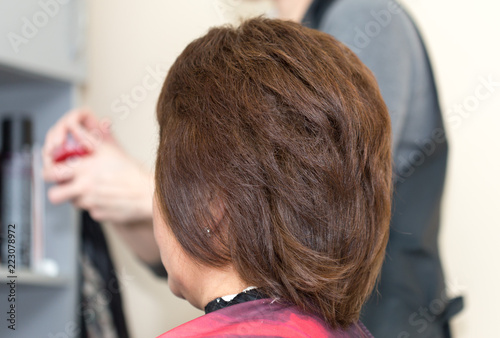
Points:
x=50 y=50
x=12 y=68
x=29 y=277
x=40 y=78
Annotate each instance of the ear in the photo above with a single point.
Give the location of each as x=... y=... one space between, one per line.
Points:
x=215 y=223
x=217 y=211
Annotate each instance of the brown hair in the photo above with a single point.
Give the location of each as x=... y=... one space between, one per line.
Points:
x=283 y=129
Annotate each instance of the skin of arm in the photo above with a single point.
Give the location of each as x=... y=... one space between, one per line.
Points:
x=107 y=182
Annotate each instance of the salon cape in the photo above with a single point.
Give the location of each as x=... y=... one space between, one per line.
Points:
x=262 y=318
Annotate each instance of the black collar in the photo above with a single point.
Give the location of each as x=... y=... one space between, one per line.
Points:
x=241 y=297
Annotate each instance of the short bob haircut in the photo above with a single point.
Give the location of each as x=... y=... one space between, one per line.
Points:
x=275 y=156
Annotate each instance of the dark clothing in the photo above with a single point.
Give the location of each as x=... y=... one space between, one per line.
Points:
x=412 y=282
x=101 y=308
x=245 y=296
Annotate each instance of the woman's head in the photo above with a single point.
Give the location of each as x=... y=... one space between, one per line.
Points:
x=274 y=159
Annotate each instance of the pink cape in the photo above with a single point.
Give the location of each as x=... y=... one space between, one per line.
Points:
x=262 y=318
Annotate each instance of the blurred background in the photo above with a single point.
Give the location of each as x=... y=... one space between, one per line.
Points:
x=126 y=38
x=127 y=41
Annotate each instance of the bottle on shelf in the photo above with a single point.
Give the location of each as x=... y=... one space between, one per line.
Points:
x=16 y=180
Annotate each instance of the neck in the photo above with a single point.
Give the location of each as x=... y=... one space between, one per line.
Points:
x=217 y=283
x=293 y=10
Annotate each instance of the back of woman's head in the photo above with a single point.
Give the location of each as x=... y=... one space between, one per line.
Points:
x=274 y=157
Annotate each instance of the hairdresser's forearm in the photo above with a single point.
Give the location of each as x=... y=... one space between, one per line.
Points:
x=140 y=239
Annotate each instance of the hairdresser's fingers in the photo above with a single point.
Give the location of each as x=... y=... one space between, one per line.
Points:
x=92 y=123
x=91 y=138
x=93 y=206
x=82 y=125
x=59 y=172
x=85 y=202
x=57 y=135
x=105 y=126
x=65 y=192
x=54 y=138
x=65 y=170
x=85 y=117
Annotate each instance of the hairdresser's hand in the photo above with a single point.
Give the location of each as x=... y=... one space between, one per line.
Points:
x=107 y=182
x=85 y=129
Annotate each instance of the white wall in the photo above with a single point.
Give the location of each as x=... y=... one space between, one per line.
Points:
x=127 y=39
x=463 y=40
